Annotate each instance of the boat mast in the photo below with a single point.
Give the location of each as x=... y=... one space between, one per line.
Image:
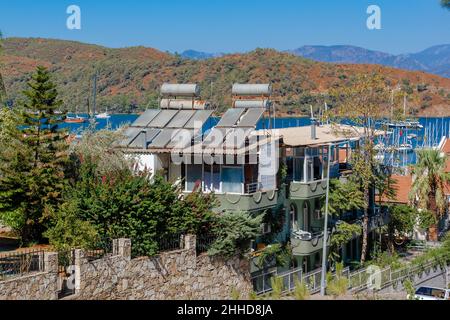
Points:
x=94 y=93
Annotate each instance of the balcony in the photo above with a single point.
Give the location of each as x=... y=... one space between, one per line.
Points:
x=253 y=199
x=304 y=243
x=306 y=190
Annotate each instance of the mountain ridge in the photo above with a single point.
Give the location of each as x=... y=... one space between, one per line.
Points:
x=435 y=59
x=129 y=78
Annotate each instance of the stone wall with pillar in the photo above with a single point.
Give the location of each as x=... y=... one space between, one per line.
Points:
x=36 y=285
x=178 y=274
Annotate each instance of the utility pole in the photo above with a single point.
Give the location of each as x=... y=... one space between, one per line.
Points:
x=325 y=228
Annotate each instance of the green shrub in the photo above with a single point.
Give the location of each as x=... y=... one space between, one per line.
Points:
x=277 y=287
x=337 y=285
x=234 y=231
x=410 y=290
x=301 y=291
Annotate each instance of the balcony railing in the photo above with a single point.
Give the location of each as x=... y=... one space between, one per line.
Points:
x=252 y=187
x=304 y=243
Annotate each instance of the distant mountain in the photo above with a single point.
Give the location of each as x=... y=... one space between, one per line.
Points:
x=130 y=78
x=199 y=55
x=433 y=60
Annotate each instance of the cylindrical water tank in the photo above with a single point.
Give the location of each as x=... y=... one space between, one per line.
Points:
x=184 y=104
x=181 y=90
x=265 y=104
x=251 y=89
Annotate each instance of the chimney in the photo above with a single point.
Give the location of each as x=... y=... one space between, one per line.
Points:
x=313 y=128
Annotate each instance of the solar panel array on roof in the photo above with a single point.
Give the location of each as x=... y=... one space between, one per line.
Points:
x=181 y=139
x=230 y=118
x=198 y=119
x=130 y=135
x=144 y=138
x=180 y=119
x=251 y=118
x=236 y=138
x=162 y=119
x=163 y=138
x=165 y=128
x=216 y=137
x=145 y=118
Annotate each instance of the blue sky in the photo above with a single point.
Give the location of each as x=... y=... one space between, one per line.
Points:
x=232 y=25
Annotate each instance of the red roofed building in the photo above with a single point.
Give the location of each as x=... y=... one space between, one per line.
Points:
x=402 y=188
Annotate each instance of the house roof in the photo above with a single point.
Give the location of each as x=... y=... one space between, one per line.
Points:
x=446 y=146
x=301 y=136
x=402 y=187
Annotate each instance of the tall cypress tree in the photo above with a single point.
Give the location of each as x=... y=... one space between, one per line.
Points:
x=32 y=181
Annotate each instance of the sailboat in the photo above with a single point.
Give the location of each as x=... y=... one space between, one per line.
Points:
x=407 y=123
x=104 y=115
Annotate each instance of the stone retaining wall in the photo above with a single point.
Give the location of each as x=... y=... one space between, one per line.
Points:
x=34 y=286
x=177 y=274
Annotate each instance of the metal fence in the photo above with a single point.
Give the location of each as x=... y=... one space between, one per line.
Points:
x=204 y=242
x=263 y=283
x=171 y=242
x=371 y=278
x=104 y=248
x=20 y=263
x=377 y=279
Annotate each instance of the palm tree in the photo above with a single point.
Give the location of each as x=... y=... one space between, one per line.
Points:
x=428 y=186
x=445 y=4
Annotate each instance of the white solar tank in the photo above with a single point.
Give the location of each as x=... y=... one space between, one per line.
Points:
x=184 y=104
x=251 y=89
x=262 y=104
x=180 y=90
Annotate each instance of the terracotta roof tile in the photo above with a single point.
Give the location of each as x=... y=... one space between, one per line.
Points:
x=402 y=187
x=446 y=146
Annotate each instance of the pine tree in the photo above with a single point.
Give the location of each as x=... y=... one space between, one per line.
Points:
x=33 y=176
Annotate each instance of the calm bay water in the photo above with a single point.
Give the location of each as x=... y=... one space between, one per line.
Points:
x=431 y=133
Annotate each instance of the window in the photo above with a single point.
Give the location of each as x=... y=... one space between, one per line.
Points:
x=265 y=228
x=317 y=168
x=318 y=209
x=299 y=164
x=290 y=168
x=293 y=216
x=317 y=260
x=309 y=169
x=211 y=178
x=193 y=176
x=232 y=179
x=306 y=216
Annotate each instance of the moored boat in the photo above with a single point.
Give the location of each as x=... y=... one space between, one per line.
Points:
x=76 y=119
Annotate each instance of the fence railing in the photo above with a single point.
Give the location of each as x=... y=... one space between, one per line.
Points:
x=359 y=280
x=101 y=251
x=20 y=263
x=171 y=242
x=263 y=284
x=204 y=242
x=377 y=279
x=252 y=187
